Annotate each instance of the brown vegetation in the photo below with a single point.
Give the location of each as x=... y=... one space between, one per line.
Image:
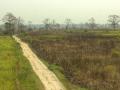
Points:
x=87 y=60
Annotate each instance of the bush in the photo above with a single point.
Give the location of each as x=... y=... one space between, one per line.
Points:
x=115 y=54
x=110 y=72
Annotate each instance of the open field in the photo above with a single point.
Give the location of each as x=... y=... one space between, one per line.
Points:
x=59 y=45
x=15 y=70
x=89 y=59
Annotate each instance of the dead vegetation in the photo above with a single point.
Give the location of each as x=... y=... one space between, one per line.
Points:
x=91 y=61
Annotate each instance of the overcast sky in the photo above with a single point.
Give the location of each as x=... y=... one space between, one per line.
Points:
x=78 y=10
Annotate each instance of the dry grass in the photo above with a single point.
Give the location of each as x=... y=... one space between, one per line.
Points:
x=91 y=61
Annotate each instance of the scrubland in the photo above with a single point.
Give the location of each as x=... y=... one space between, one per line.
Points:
x=88 y=59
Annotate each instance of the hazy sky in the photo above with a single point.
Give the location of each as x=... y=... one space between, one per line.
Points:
x=78 y=10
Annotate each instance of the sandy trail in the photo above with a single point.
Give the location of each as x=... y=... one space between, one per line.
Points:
x=48 y=78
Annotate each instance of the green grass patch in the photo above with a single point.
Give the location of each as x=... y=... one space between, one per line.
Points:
x=15 y=70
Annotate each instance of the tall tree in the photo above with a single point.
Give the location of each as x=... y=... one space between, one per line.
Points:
x=114 y=21
x=30 y=26
x=92 y=24
x=20 y=25
x=9 y=19
x=47 y=23
x=53 y=24
x=68 y=23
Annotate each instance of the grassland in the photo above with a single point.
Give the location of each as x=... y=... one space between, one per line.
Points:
x=15 y=70
x=88 y=59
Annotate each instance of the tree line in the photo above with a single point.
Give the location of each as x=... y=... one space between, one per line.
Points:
x=15 y=25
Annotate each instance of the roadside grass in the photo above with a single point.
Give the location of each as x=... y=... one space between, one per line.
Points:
x=58 y=71
x=15 y=70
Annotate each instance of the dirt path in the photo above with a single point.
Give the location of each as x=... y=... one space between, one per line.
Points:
x=48 y=78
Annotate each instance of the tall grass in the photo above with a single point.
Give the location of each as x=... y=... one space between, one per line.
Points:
x=88 y=59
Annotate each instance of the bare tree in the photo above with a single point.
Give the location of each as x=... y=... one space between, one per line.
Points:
x=9 y=19
x=114 y=20
x=53 y=24
x=92 y=24
x=30 y=27
x=20 y=25
x=68 y=23
x=57 y=26
x=47 y=23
